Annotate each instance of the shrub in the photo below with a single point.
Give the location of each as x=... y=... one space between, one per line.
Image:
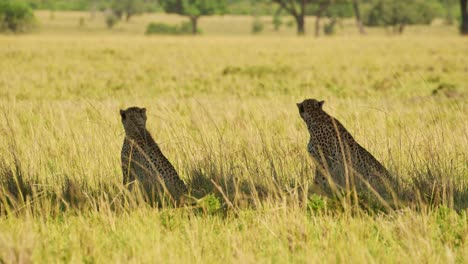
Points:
x=186 y=28
x=15 y=17
x=257 y=26
x=166 y=29
x=81 y=22
x=330 y=27
x=161 y=28
x=111 y=20
x=399 y=13
x=315 y=204
x=210 y=204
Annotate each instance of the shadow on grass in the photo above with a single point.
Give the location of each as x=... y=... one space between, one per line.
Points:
x=21 y=192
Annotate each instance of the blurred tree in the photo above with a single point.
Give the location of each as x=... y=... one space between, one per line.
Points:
x=336 y=10
x=111 y=20
x=257 y=25
x=322 y=6
x=318 y=8
x=277 y=21
x=449 y=11
x=399 y=13
x=297 y=9
x=15 y=16
x=357 y=14
x=194 y=9
x=464 y=16
x=128 y=8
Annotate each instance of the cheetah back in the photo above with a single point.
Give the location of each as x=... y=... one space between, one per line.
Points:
x=142 y=160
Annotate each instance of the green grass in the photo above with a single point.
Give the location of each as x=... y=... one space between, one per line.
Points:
x=223 y=108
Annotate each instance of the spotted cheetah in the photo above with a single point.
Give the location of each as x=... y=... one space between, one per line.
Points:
x=143 y=161
x=341 y=163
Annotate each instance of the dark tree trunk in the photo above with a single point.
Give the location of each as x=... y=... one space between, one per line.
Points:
x=194 y=21
x=118 y=14
x=357 y=13
x=317 y=24
x=320 y=11
x=401 y=28
x=300 y=25
x=464 y=17
x=299 y=15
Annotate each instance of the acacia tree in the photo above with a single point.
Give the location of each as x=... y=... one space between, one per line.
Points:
x=127 y=7
x=300 y=8
x=399 y=13
x=15 y=16
x=464 y=17
x=194 y=9
x=321 y=8
x=297 y=8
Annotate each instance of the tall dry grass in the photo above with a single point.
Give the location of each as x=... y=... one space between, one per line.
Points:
x=223 y=111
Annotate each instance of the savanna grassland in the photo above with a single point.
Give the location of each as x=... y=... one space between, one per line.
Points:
x=223 y=110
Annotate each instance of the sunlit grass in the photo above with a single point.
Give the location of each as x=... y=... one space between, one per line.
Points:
x=223 y=109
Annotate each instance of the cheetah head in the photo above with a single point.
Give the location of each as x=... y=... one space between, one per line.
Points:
x=310 y=108
x=133 y=117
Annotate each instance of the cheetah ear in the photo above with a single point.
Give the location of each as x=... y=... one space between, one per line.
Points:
x=122 y=113
x=321 y=103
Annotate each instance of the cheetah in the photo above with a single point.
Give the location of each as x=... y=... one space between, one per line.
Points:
x=143 y=161
x=341 y=162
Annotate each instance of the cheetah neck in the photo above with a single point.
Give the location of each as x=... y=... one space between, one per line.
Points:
x=143 y=138
x=315 y=121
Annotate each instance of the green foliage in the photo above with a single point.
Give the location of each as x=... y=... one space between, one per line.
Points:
x=127 y=8
x=333 y=8
x=210 y=204
x=60 y=4
x=329 y=28
x=15 y=16
x=257 y=26
x=156 y=28
x=111 y=20
x=315 y=204
x=250 y=7
x=398 y=13
x=186 y=28
x=161 y=28
x=277 y=21
x=194 y=8
x=341 y=9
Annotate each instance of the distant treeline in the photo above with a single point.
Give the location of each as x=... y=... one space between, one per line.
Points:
x=394 y=14
x=86 y=5
x=339 y=8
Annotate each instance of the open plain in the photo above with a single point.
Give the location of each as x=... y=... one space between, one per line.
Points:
x=222 y=107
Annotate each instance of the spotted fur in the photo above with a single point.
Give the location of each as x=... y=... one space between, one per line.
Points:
x=143 y=161
x=341 y=163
